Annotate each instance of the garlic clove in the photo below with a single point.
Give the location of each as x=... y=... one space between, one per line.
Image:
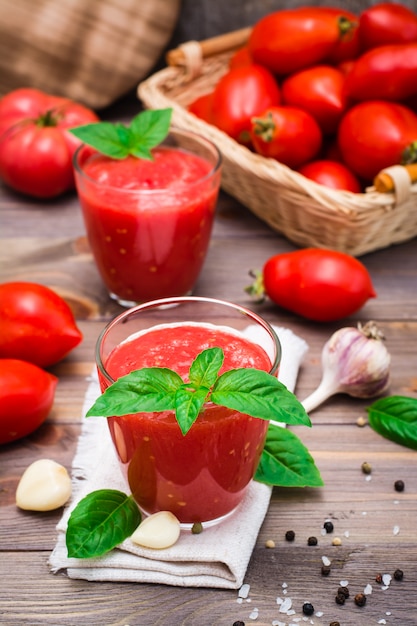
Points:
x=160 y=530
x=44 y=486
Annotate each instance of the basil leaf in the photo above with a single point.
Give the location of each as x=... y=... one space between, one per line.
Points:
x=205 y=367
x=104 y=137
x=286 y=462
x=101 y=521
x=146 y=390
x=146 y=130
x=188 y=404
x=395 y=418
x=259 y=394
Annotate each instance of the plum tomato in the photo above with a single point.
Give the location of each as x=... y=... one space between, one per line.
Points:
x=333 y=174
x=36 y=324
x=317 y=284
x=376 y=134
x=240 y=94
x=288 y=134
x=26 y=397
x=387 y=23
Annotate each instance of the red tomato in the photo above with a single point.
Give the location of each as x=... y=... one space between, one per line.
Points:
x=241 y=57
x=288 y=134
x=387 y=23
x=289 y=40
x=376 y=134
x=36 y=324
x=201 y=107
x=239 y=95
x=348 y=46
x=319 y=90
x=26 y=398
x=320 y=285
x=331 y=174
x=384 y=73
x=36 y=148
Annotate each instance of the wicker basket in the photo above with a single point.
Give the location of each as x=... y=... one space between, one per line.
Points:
x=307 y=213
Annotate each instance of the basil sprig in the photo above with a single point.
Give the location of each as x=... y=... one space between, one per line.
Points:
x=395 y=418
x=247 y=390
x=106 y=517
x=116 y=140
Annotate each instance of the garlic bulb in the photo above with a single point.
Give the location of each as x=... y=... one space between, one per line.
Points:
x=355 y=361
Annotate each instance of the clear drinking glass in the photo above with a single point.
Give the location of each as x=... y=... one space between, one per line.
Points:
x=149 y=231
x=201 y=476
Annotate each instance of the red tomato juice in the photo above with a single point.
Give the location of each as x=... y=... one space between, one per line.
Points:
x=148 y=222
x=203 y=475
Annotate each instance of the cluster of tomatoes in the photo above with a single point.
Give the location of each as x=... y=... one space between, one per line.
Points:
x=37 y=330
x=324 y=91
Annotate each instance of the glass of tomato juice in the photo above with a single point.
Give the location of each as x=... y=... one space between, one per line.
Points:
x=201 y=476
x=149 y=222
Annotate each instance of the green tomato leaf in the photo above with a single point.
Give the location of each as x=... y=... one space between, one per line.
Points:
x=205 y=367
x=188 y=404
x=116 y=140
x=259 y=394
x=395 y=418
x=146 y=390
x=99 y=522
x=286 y=462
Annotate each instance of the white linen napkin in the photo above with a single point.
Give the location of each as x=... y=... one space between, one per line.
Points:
x=217 y=557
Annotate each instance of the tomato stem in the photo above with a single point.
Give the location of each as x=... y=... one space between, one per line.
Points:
x=264 y=127
x=257 y=288
x=409 y=155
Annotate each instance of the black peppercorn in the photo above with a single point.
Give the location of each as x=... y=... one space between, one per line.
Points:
x=312 y=541
x=308 y=609
x=360 y=599
x=328 y=527
x=399 y=485
x=340 y=598
x=238 y=623
x=398 y=574
x=343 y=591
x=290 y=535
x=325 y=570
x=334 y=624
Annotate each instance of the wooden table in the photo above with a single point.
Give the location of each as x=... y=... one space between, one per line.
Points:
x=45 y=242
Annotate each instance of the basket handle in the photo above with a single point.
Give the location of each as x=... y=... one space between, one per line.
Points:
x=209 y=47
x=398 y=179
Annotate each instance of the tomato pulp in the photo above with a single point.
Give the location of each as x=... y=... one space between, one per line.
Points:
x=203 y=475
x=148 y=222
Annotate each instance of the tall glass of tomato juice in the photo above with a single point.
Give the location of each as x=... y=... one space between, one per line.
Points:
x=149 y=222
x=201 y=476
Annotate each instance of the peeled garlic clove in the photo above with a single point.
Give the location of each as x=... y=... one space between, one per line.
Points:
x=160 y=530
x=44 y=486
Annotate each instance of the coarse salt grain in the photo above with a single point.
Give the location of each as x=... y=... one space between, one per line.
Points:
x=244 y=591
x=319 y=613
x=278 y=623
x=368 y=590
x=285 y=606
x=279 y=600
x=344 y=583
x=386 y=579
x=254 y=614
x=368 y=477
x=382 y=621
x=346 y=533
x=396 y=530
x=325 y=560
